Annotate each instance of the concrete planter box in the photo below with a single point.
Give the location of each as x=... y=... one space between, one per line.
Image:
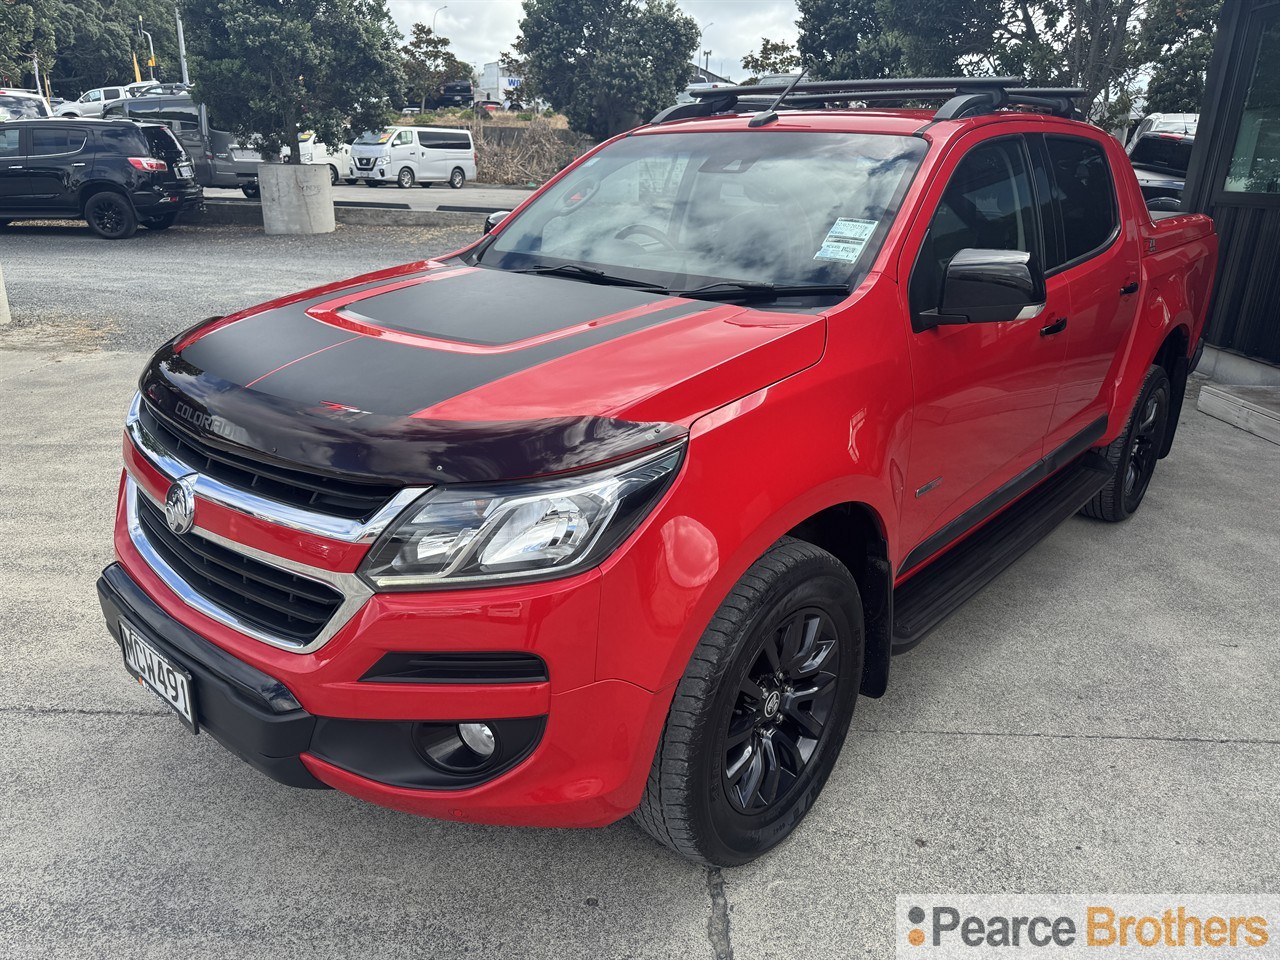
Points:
x=296 y=198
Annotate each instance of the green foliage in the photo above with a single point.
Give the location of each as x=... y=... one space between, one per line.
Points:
x=85 y=43
x=428 y=62
x=270 y=68
x=606 y=65
x=846 y=39
x=774 y=56
x=1178 y=40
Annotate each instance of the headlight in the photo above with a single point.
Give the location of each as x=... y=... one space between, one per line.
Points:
x=532 y=530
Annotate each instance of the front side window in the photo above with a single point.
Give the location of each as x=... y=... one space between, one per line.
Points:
x=1255 y=161
x=989 y=205
x=93 y=96
x=50 y=141
x=404 y=137
x=1084 y=195
x=682 y=210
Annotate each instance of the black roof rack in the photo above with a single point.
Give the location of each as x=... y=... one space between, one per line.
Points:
x=962 y=96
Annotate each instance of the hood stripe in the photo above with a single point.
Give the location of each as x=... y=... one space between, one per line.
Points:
x=298 y=360
x=350 y=320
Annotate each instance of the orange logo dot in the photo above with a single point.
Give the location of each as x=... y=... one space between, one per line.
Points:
x=915 y=937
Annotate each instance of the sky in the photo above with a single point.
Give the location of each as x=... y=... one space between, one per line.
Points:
x=479 y=30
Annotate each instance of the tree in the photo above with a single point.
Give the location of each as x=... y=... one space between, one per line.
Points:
x=270 y=68
x=605 y=63
x=774 y=56
x=1178 y=40
x=846 y=40
x=428 y=62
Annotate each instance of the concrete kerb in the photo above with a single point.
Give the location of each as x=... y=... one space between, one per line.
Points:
x=234 y=213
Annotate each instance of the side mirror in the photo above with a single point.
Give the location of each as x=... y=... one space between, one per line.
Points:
x=494 y=219
x=987 y=286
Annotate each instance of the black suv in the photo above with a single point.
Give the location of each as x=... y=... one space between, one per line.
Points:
x=115 y=174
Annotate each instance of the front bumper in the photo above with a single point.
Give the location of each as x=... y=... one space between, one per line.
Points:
x=587 y=767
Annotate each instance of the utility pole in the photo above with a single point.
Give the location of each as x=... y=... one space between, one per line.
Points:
x=151 y=60
x=182 y=47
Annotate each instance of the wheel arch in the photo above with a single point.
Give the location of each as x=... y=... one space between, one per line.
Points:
x=1174 y=355
x=95 y=187
x=854 y=533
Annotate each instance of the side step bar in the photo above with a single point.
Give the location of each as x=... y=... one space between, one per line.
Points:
x=938 y=589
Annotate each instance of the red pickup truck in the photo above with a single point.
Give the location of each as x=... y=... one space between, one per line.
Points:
x=618 y=510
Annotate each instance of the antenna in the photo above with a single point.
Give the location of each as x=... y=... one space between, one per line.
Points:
x=765 y=117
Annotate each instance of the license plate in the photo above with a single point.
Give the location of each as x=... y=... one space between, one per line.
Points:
x=186 y=171
x=170 y=683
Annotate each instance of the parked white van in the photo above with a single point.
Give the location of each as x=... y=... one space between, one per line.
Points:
x=409 y=155
x=338 y=158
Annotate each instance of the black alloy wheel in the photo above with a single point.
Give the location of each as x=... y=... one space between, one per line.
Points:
x=760 y=715
x=1144 y=445
x=1133 y=455
x=785 y=700
x=111 y=216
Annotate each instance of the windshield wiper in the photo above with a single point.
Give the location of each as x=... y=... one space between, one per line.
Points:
x=760 y=289
x=588 y=273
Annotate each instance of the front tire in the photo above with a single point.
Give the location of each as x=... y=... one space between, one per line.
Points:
x=404 y=179
x=251 y=190
x=111 y=216
x=761 y=713
x=457 y=179
x=1132 y=456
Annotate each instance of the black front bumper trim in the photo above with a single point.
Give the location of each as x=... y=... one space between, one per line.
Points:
x=251 y=714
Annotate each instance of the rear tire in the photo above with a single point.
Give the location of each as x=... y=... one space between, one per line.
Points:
x=1133 y=455
x=251 y=190
x=111 y=216
x=333 y=176
x=457 y=179
x=761 y=713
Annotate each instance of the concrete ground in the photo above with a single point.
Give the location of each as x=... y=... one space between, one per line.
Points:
x=1102 y=718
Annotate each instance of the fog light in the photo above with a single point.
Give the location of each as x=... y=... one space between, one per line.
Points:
x=478 y=737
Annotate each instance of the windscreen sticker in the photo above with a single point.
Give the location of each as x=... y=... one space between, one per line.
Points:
x=845 y=240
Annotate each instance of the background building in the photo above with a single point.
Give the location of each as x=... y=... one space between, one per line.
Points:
x=1235 y=177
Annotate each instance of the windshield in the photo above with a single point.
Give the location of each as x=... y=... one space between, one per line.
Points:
x=375 y=136
x=684 y=210
x=1171 y=154
x=21 y=108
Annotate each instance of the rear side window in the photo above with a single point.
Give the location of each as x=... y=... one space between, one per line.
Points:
x=9 y=138
x=50 y=141
x=1085 y=195
x=125 y=140
x=445 y=141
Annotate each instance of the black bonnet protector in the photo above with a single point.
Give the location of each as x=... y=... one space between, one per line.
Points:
x=342 y=404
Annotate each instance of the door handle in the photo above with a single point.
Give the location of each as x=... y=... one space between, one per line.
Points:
x=1129 y=288
x=15 y=166
x=1057 y=326
x=77 y=164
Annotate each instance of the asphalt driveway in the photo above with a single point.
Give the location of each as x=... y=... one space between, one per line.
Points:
x=1102 y=718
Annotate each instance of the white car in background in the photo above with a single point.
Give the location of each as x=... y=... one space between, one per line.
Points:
x=91 y=102
x=22 y=105
x=338 y=158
